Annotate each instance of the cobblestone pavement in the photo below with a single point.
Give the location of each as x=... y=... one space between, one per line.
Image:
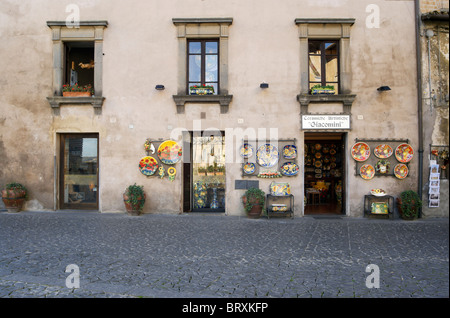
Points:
x=203 y=256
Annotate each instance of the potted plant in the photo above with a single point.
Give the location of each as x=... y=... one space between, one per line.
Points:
x=77 y=91
x=253 y=201
x=408 y=205
x=134 y=199
x=201 y=90
x=13 y=196
x=322 y=90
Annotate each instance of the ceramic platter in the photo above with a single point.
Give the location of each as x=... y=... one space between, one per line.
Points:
x=267 y=155
x=148 y=166
x=401 y=171
x=404 y=153
x=383 y=151
x=249 y=168
x=169 y=152
x=290 y=152
x=289 y=169
x=360 y=151
x=246 y=151
x=367 y=171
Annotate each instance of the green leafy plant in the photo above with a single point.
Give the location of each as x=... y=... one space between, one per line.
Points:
x=17 y=187
x=409 y=204
x=135 y=196
x=253 y=197
x=77 y=88
x=323 y=87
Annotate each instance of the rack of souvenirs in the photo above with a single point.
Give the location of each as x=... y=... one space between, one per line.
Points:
x=382 y=157
x=269 y=159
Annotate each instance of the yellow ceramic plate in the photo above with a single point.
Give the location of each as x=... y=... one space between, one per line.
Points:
x=401 y=171
x=169 y=152
x=360 y=151
x=367 y=171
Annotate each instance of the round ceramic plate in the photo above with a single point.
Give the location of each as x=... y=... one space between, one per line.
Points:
x=267 y=155
x=290 y=152
x=169 y=152
x=367 y=171
x=404 y=153
x=401 y=171
x=360 y=151
x=249 y=168
x=383 y=151
x=289 y=169
x=148 y=166
x=246 y=151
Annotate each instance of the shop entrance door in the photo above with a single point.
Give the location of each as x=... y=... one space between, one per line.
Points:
x=79 y=171
x=204 y=174
x=324 y=173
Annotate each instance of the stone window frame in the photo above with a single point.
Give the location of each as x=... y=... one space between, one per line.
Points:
x=87 y=31
x=202 y=28
x=326 y=29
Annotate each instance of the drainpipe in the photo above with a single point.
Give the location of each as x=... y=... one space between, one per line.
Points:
x=419 y=98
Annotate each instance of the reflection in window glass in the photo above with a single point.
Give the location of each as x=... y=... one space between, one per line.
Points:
x=203 y=63
x=208 y=170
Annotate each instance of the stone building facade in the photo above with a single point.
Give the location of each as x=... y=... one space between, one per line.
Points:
x=261 y=57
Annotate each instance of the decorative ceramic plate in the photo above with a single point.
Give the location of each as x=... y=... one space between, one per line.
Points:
x=404 y=153
x=380 y=208
x=367 y=171
x=148 y=166
x=290 y=152
x=378 y=192
x=317 y=146
x=169 y=152
x=249 y=167
x=360 y=151
x=246 y=151
x=289 y=169
x=318 y=155
x=280 y=189
x=383 y=151
x=332 y=152
x=267 y=155
x=401 y=171
x=318 y=164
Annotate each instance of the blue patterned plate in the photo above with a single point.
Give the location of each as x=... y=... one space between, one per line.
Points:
x=289 y=169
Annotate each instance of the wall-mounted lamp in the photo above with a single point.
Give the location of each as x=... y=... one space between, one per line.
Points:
x=159 y=87
x=383 y=88
x=264 y=85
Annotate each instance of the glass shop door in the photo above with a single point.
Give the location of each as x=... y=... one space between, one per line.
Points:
x=208 y=172
x=79 y=171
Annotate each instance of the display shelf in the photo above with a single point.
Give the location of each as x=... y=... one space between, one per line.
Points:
x=274 y=202
x=386 y=199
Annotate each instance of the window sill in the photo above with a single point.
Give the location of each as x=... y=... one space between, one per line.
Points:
x=57 y=101
x=223 y=100
x=346 y=99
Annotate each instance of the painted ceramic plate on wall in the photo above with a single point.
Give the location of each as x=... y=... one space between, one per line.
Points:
x=290 y=152
x=148 y=166
x=249 y=167
x=404 y=153
x=289 y=169
x=360 y=151
x=401 y=171
x=169 y=152
x=367 y=171
x=246 y=151
x=383 y=151
x=267 y=155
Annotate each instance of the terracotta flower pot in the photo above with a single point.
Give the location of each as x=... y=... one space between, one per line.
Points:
x=77 y=94
x=133 y=209
x=13 y=199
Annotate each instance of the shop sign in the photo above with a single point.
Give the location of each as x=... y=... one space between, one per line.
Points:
x=325 y=121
